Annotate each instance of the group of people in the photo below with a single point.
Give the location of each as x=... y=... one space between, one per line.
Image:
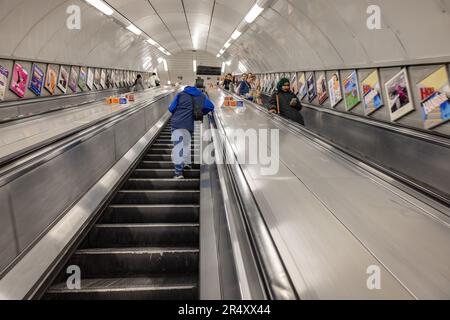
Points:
x=283 y=101
x=139 y=84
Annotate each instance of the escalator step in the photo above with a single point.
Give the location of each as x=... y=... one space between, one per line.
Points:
x=151 y=214
x=163 y=174
x=158 y=288
x=142 y=235
x=168 y=151
x=157 y=197
x=135 y=262
x=162 y=184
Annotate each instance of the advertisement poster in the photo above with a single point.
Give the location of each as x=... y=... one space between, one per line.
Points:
x=63 y=79
x=4 y=74
x=322 y=88
x=90 y=79
x=351 y=91
x=372 y=97
x=334 y=88
x=303 y=88
x=311 y=88
x=435 y=98
x=37 y=80
x=399 y=96
x=51 y=79
x=294 y=83
x=82 y=79
x=73 y=80
x=19 y=80
x=103 y=79
x=108 y=79
x=113 y=79
x=97 y=79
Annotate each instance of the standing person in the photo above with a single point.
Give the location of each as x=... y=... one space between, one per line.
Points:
x=154 y=81
x=227 y=82
x=286 y=103
x=139 y=84
x=182 y=109
x=244 y=86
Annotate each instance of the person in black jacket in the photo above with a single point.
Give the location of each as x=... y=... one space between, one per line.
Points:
x=286 y=103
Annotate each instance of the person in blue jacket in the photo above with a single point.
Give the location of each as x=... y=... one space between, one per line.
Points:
x=182 y=109
x=244 y=86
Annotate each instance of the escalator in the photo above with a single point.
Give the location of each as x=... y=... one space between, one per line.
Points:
x=145 y=245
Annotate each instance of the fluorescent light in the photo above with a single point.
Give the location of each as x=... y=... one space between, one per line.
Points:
x=152 y=42
x=236 y=35
x=222 y=51
x=160 y=60
x=228 y=44
x=169 y=82
x=218 y=55
x=253 y=13
x=101 y=6
x=223 y=67
x=228 y=63
x=134 y=29
x=166 y=68
x=195 y=65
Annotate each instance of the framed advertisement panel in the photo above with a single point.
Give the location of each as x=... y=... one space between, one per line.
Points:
x=351 y=91
x=302 y=85
x=73 y=79
x=294 y=83
x=4 y=75
x=434 y=93
x=372 y=96
x=97 y=78
x=399 y=95
x=19 y=80
x=51 y=79
x=312 y=94
x=37 y=80
x=90 y=79
x=322 y=90
x=82 y=79
x=63 y=79
x=334 y=89
x=103 y=79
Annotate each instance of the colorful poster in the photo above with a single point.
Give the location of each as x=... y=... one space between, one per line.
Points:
x=82 y=79
x=312 y=94
x=97 y=79
x=90 y=79
x=322 y=88
x=19 y=80
x=63 y=79
x=373 y=100
x=103 y=79
x=4 y=74
x=51 y=79
x=351 y=91
x=399 y=96
x=294 y=83
x=334 y=88
x=108 y=79
x=37 y=80
x=113 y=79
x=303 y=88
x=435 y=98
x=73 y=80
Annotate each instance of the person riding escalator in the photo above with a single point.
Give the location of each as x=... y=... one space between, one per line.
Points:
x=285 y=103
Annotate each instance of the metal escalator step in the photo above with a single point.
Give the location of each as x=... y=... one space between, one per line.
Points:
x=157 y=197
x=155 y=288
x=142 y=235
x=135 y=262
x=169 y=151
x=162 y=184
x=164 y=174
x=161 y=165
x=151 y=214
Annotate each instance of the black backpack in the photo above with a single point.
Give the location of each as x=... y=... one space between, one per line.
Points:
x=197 y=110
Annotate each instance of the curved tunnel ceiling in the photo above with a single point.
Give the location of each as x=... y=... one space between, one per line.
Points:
x=290 y=35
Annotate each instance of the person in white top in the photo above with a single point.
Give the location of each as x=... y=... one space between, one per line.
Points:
x=154 y=81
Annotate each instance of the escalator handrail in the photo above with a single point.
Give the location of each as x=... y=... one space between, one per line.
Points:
x=73 y=138
x=278 y=283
